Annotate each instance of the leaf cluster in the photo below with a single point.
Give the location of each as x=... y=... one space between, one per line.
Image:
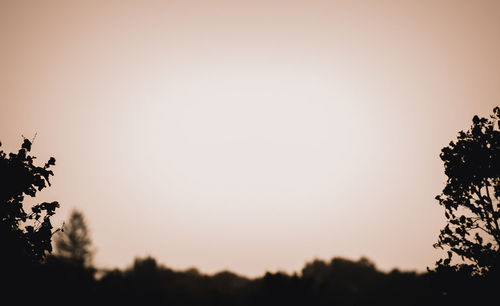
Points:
x=471 y=196
x=26 y=233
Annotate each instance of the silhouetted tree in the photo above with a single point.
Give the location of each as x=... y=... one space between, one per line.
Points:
x=26 y=234
x=73 y=242
x=25 y=230
x=471 y=198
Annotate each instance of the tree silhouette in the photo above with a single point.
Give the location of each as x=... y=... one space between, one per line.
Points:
x=73 y=242
x=26 y=236
x=471 y=198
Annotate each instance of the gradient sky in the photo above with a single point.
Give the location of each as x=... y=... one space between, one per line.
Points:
x=248 y=135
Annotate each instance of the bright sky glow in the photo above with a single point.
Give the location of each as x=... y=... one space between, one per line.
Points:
x=248 y=136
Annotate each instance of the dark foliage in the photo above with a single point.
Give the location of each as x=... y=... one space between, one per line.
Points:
x=338 y=282
x=471 y=199
x=25 y=232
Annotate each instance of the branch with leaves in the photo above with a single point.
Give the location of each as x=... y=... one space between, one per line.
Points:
x=27 y=235
x=471 y=197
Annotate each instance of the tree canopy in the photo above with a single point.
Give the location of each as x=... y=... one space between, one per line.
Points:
x=471 y=198
x=26 y=232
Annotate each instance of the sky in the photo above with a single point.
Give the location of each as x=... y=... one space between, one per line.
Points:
x=248 y=136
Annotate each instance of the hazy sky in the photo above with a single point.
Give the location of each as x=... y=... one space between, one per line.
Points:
x=248 y=135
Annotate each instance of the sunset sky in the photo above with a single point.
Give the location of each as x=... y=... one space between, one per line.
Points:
x=248 y=135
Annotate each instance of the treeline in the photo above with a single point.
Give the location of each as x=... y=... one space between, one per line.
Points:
x=337 y=282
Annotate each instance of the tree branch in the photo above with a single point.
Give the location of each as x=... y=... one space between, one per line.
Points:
x=497 y=235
